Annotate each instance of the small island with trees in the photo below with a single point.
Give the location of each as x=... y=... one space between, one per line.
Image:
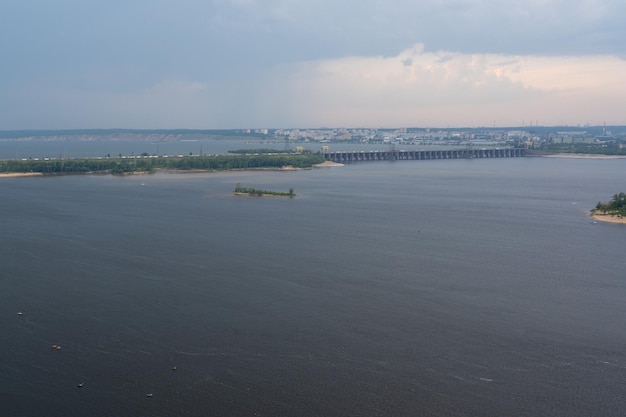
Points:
x=241 y=190
x=613 y=211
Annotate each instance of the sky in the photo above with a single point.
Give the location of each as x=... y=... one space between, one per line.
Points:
x=224 y=64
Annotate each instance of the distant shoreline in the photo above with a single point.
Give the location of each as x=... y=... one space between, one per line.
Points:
x=583 y=156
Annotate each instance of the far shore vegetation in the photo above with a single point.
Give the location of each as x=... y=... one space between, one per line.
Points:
x=146 y=164
x=579 y=148
x=262 y=151
x=239 y=189
x=615 y=207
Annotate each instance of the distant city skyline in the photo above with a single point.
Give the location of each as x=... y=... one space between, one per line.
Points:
x=226 y=64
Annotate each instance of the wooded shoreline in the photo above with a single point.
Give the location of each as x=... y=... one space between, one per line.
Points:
x=146 y=164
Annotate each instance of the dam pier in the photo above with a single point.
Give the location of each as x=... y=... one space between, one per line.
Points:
x=394 y=155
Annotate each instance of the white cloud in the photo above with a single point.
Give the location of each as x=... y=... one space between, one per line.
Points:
x=232 y=63
x=417 y=88
x=413 y=88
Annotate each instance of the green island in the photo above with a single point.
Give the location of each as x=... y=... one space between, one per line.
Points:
x=613 y=211
x=241 y=190
x=148 y=164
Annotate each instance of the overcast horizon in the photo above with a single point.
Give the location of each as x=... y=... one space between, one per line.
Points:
x=255 y=130
x=230 y=64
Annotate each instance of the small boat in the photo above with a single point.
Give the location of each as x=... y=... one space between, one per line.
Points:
x=56 y=347
x=149 y=395
x=81 y=385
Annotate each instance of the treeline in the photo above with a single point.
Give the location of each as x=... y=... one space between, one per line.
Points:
x=257 y=151
x=586 y=148
x=256 y=192
x=616 y=206
x=148 y=164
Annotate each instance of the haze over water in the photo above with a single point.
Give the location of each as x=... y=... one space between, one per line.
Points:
x=434 y=288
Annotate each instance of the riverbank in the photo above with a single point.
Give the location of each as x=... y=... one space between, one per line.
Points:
x=608 y=218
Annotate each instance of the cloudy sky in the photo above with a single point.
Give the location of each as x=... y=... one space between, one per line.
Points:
x=311 y=63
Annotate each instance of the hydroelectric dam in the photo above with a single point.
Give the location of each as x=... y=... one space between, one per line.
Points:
x=394 y=155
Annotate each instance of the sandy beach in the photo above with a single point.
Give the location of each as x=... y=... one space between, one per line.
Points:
x=20 y=174
x=328 y=164
x=608 y=218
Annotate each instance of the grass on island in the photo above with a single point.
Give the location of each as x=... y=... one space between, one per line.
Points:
x=239 y=189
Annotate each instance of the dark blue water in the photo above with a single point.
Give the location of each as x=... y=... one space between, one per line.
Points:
x=434 y=288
